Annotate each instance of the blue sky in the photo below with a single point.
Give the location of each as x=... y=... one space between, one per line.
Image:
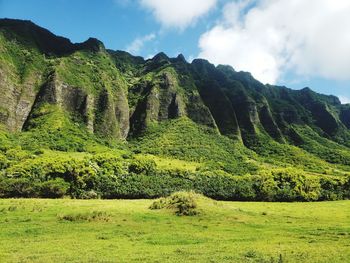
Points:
x=297 y=49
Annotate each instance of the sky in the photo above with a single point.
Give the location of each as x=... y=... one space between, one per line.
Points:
x=294 y=43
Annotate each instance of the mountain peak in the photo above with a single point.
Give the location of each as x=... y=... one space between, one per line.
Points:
x=43 y=39
x=46 y=41
x=92 y=44
x=160 y=56
x=181 y=58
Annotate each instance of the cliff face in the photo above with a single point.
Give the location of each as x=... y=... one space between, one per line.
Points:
x=117 y=95
x=37 y=67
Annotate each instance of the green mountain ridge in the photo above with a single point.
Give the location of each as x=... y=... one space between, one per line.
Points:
x=153 y=119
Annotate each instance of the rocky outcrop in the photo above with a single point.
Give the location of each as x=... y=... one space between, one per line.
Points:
x=16 y=99
x=269 y=123
x=105 y=114
x=198 y=112
x=161 y=100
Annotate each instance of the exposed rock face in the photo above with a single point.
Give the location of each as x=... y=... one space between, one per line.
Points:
x=105 y=115
x=122 y=113
x=106 y=120
x=161 y=101
x=16 y=100
x=170 y=102
x=268 y=122
x=112 y=115
x=89 y=112
x=71 y=99
x=198 y=111
x=221 y=109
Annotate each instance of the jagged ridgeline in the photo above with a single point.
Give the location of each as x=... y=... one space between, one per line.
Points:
x=85 y=121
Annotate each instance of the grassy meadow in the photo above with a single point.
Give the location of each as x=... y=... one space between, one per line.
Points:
x=67 y=230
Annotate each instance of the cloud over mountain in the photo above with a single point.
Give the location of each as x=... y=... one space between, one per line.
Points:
x=270 y=37
x=135 y=46
x=180 y=13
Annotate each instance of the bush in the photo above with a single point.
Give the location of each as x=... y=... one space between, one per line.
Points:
x=25 y=187
x=3 y=162
x=334 y=188
x=91 y=194
x=54 y=188
x=294 y=185
x=18 y=187
x=183 y=203
x=89 y=217
x=223 y=186
x=265 y=187
x=159 y=204
x=142 y=166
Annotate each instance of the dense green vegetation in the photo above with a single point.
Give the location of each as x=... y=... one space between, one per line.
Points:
x=82 y=121
x=42 y=230
x=113 y=171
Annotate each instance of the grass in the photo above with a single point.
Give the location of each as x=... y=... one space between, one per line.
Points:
x=32 y=230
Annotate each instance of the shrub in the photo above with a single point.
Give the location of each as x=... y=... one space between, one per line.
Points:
x=3 y=162
x=294 y=185
x=18 y=187
x=265 y=186
x=183 y=203
x=54 y=188
x=89 y=217
x=142 y=166
x=223 y=186
x=159 y=204
x=335 y=188
x=91 y=194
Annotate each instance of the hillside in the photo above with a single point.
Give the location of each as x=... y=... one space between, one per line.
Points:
x=85 y=121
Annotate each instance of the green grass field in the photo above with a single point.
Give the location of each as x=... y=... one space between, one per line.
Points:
x=65 y=230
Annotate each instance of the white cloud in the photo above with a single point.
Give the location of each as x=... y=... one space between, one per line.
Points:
x=178 y=13
x=270 y=37
x=150 y=55
x=344 y=99
x=139 y=42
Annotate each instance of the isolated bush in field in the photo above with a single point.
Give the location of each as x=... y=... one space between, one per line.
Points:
x=184 y=203
x=159 y=204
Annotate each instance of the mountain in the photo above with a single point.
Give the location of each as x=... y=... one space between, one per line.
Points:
x=110 y=124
